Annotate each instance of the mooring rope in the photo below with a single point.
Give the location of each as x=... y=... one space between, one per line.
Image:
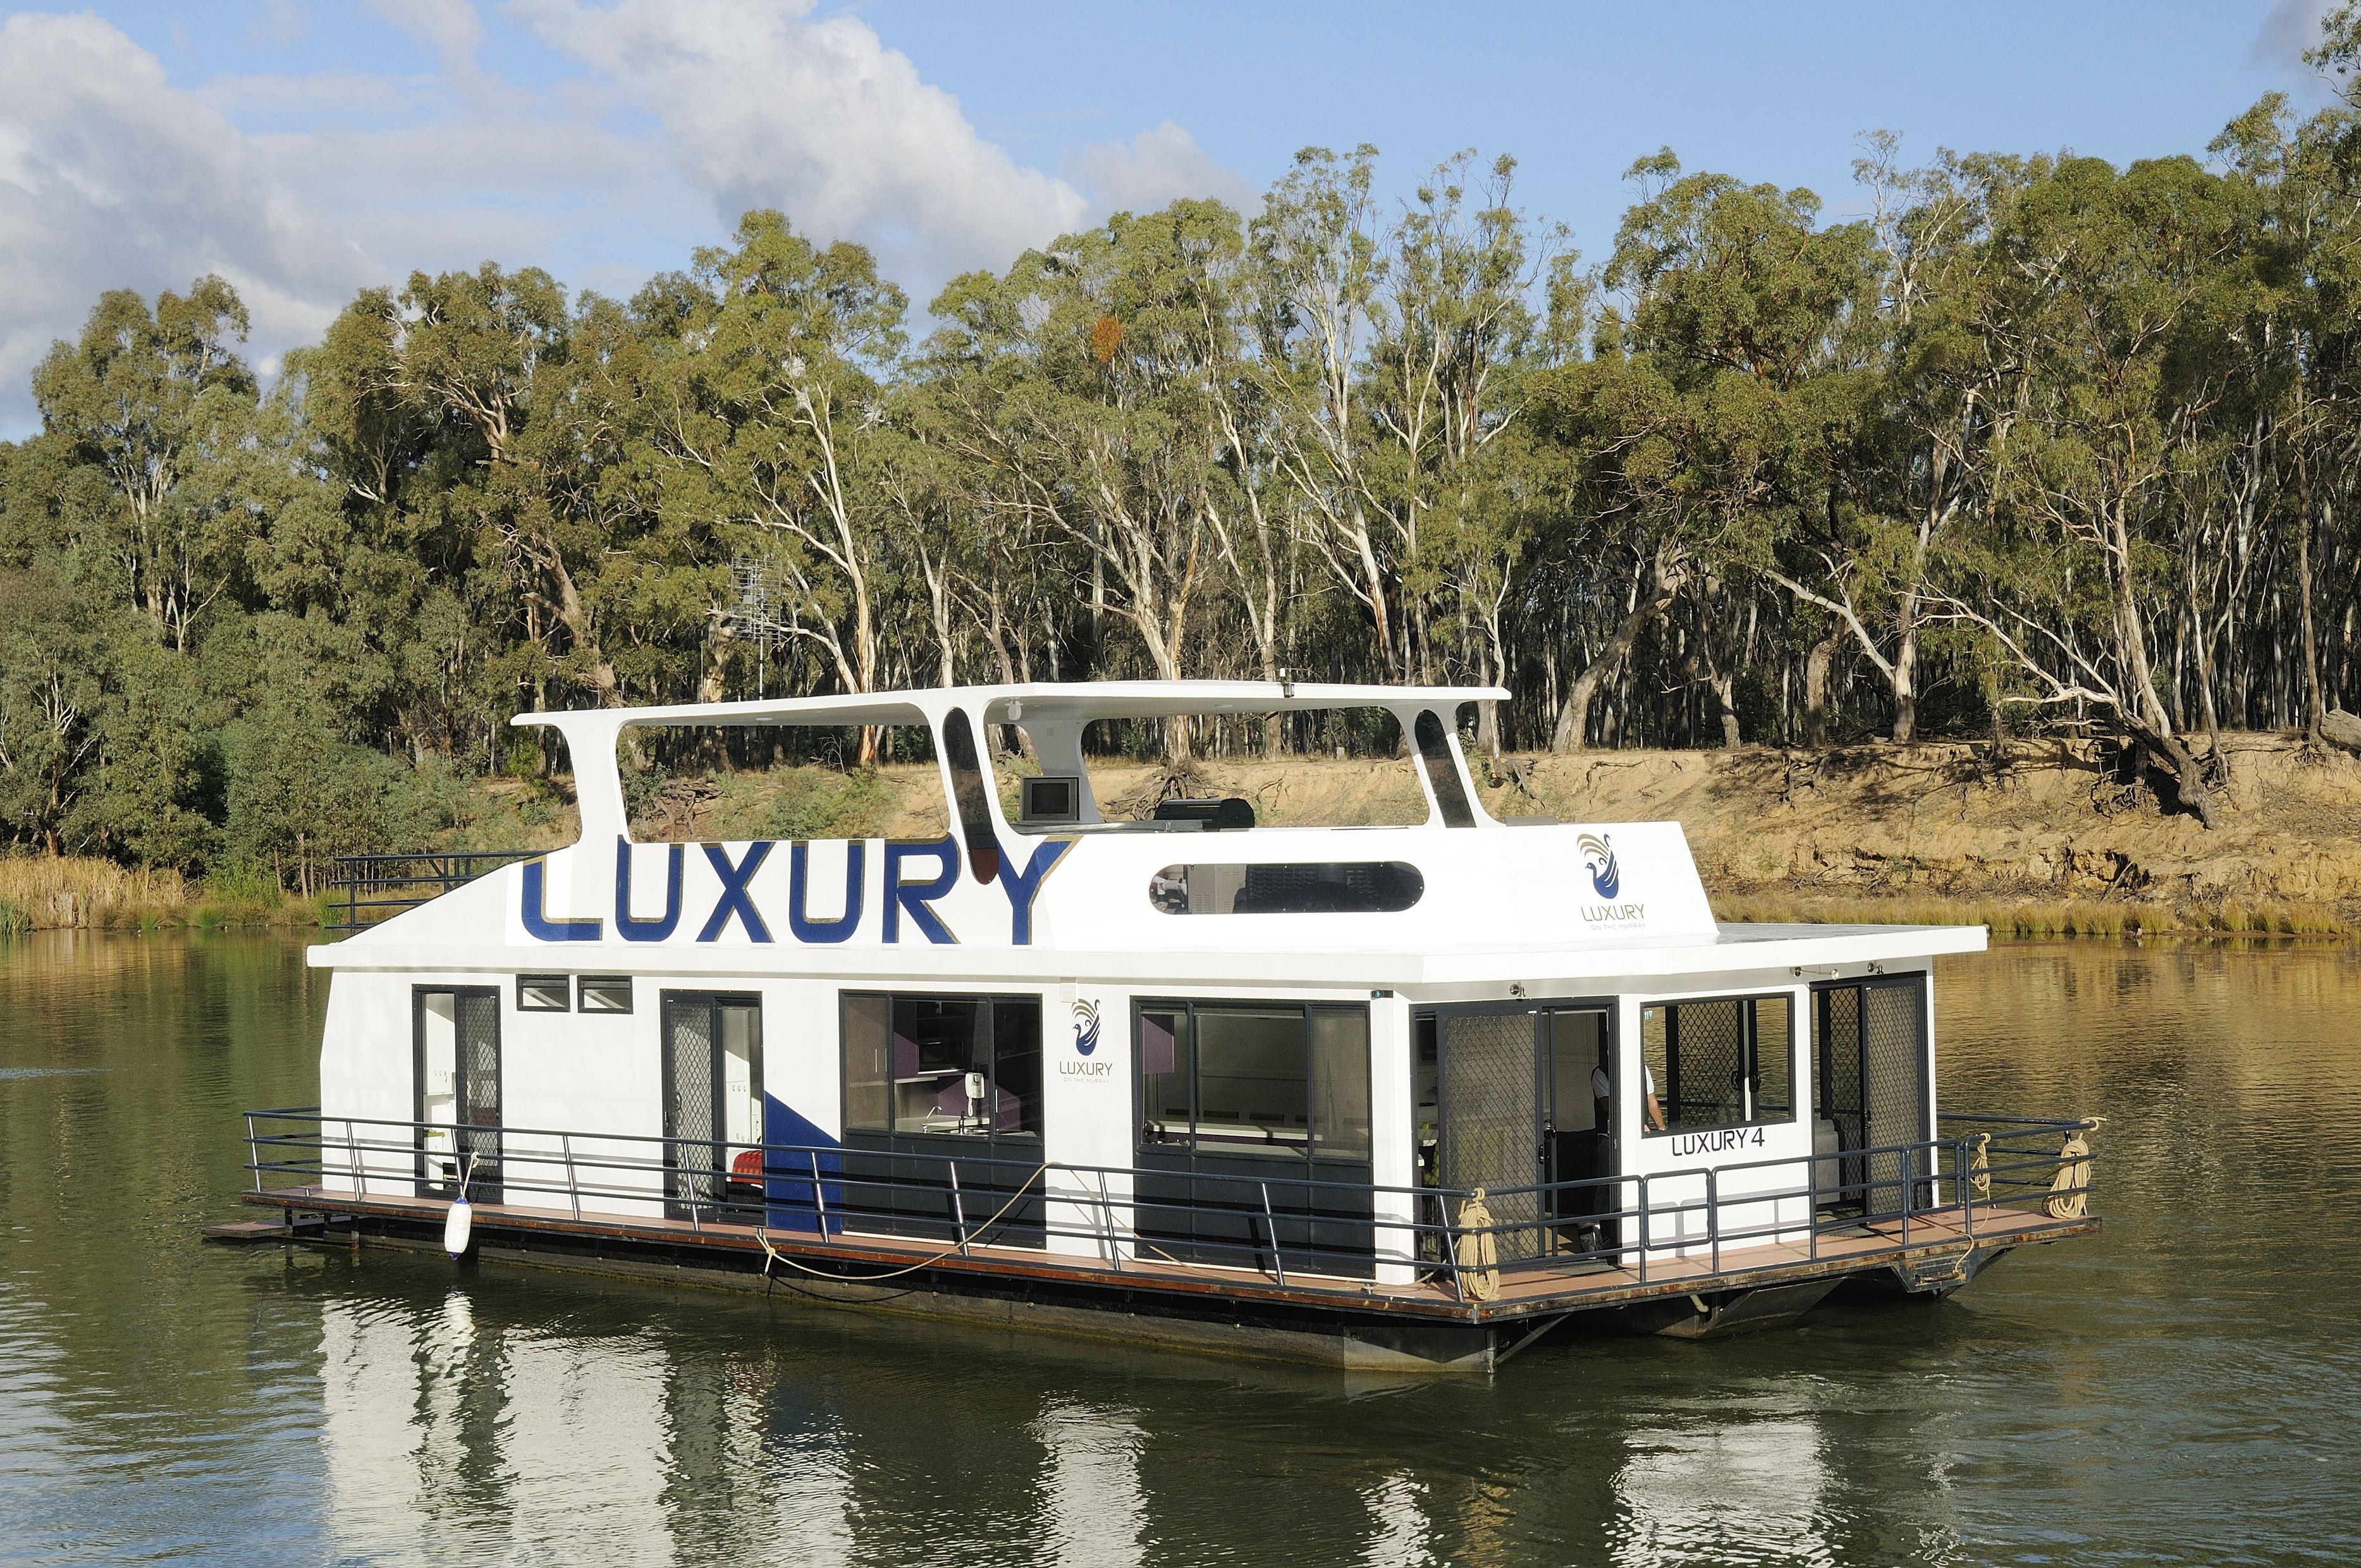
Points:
x=771 y=1254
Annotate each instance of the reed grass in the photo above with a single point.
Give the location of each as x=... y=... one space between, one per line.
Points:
x=2035 y=918
x=45 y=893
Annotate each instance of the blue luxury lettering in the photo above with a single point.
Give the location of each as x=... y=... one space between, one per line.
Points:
x=537 y=923
x=629 y=926
x=913 y=898
x=806 y=928
x=1022 y=886
x=737 y=897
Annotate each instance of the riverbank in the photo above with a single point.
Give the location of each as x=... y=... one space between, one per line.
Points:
x=51 y=892
x=2034 y=839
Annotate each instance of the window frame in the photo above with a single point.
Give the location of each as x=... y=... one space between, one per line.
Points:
x=845 y=997
x=1408 y=885
x=1314 y=1148
x=583 y=984
x=1750 y=1044
x=563 y=984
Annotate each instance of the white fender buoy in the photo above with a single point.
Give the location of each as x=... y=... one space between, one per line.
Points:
x=458 y=1228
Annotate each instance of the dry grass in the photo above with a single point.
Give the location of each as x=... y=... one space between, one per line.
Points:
x=44 y=892
x=39 y=892
x=2038 y=917
x=2034 y=842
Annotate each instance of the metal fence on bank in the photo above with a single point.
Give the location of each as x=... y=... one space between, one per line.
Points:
x=366 y=889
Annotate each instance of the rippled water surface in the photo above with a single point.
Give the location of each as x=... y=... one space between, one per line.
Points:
x=2183 y=1389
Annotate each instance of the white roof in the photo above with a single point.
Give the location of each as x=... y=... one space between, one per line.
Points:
x=1056 y=700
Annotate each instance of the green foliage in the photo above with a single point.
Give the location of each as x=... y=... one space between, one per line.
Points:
x=818 y=803
x=2038 y=442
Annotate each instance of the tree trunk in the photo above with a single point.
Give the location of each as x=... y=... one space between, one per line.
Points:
x=1906 y=674
x=1670 y=572
x=2148 y=721
x=1816 y=687
x=2314 y=708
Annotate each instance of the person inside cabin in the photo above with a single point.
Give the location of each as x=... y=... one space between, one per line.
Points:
x=1652 y=1116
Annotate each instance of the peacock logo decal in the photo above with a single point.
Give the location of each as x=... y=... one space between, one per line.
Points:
x=1086 y=1026
x=1599 y=859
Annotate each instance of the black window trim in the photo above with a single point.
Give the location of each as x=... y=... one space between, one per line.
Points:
x=1412 y=880
x=847 y=995
x=1790 y=1119
x=631 y=994
x=1312 y=1150
x=550 y=979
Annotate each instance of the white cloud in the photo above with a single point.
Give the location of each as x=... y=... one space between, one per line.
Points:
x=451 y=27
x=1157 y=167
x=678 y=115
x=111 y=177
x=764 y=107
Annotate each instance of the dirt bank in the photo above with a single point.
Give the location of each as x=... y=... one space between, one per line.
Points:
x=2035 y=838
x=2039 y=838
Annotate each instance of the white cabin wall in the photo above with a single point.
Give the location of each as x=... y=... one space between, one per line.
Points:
x=595 y=1077
x=803 y=1050
x=364 y=1076
x=1677 y=1163
x=1392 y=1159
x=1087 y=1118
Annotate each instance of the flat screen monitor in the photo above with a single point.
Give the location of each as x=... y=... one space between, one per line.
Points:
x=1051 y=799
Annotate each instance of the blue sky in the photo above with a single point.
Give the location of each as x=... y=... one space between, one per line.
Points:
x=306 y=149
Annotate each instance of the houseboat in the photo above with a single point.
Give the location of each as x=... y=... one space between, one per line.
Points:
x=1405 y=1096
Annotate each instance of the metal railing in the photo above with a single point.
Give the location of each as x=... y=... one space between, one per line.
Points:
x=366 y=889
x=1632 y=1225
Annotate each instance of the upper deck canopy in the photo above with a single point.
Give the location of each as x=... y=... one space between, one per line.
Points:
x=591 y=734
x=1057 y=701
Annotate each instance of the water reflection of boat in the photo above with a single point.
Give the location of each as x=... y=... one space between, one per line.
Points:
x=1382 y=1096
x=1723 y=1486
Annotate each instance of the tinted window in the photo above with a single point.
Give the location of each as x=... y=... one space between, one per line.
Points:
x=1721 y=1063
x=1334 y=887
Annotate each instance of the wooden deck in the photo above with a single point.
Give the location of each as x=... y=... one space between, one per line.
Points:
x=1942 y=1248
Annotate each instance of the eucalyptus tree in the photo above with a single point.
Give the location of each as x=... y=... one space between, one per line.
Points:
x=1319 y=272
x=1080 y=387
x=1908 y=455
x=1738 y=324
x=1456 y=328
x=480 y=355
x=158 y=401
x=2099 y=276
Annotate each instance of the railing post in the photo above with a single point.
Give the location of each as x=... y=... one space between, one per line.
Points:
x=1643 y=1229
x=1812 y=1205
x=1712 y=1219
x=353 y=1153
x=253 y=1152
x=819 y=1195
x=1964 y=1181
x=959 y=1207
x=573 y=1192
x=1909 y=1188
x=1451 y=1247
x=1270 y=1225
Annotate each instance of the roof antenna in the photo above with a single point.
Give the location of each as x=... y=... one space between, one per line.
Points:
x=1285 y=683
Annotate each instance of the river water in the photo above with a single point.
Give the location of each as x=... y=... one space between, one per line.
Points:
x=2184 y=1389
